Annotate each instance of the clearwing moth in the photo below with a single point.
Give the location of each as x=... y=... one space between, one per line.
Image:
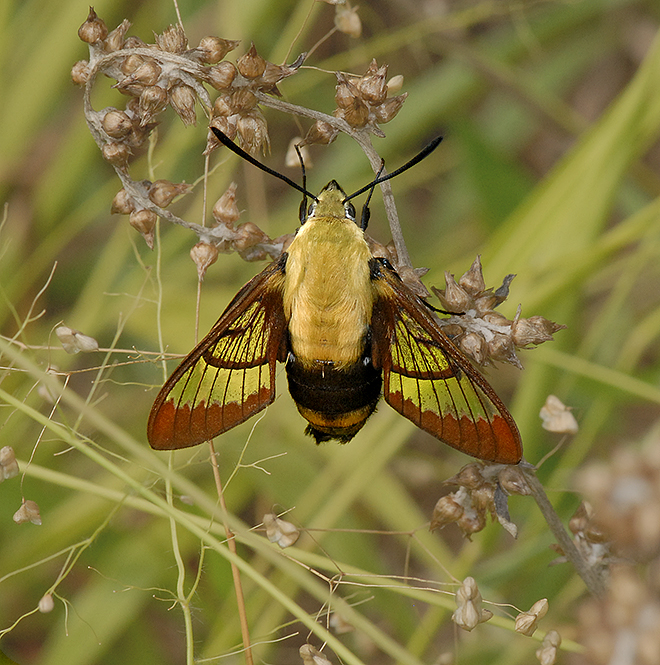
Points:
x=348 y=330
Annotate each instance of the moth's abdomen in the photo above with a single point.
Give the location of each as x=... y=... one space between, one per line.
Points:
x=335 y=402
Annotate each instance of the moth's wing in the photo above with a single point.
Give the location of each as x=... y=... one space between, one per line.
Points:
x=430 y=382
x=230 y=375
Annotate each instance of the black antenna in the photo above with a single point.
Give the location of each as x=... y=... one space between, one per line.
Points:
x=302 y=211
x=366 y=213
x=424 y=152
x=225 y=140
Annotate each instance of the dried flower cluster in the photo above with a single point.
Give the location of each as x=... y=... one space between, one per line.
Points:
x=363 y=102
x=483 y=489
x=481 y=333
x=620 y=528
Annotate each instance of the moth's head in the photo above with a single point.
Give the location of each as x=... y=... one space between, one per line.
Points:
x=331 y=203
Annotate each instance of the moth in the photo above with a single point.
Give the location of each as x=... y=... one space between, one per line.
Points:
x=348 y=331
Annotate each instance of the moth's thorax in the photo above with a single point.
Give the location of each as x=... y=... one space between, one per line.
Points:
x=328 y=294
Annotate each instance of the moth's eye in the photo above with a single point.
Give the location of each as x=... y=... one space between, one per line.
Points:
x=312 y=209
x=350 y=210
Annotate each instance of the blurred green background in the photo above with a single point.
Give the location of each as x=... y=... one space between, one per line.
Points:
x=549 y=169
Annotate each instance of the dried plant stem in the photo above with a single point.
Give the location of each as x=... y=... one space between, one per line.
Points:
x=231 y=544
x=362 y=136
x=595 y=583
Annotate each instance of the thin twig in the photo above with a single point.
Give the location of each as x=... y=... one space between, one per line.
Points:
x=591 y=578
x=236 y=575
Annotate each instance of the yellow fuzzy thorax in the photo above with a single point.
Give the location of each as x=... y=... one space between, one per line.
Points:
x=328 y=295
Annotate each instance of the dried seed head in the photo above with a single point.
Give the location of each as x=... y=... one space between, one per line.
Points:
x=80 y=72
x=182 y=99
x=213 y=49
x=147 y=74
x=251 y=64
x=347 y=20
x=8 y=464
x=373 y=85
x=173 y=40
x=471 y=522
x=248 y=235
x=116 y=39
x=527 y=622
x=395 y=84
x=447 y=510
x=117 y=154
x=28 y=512
x=153 y=100
x=557 y=417
x=94 y=29
x=116 y=124
x=225 y=211
x=203 y=254
x=320 y=132
x=74 y=341
x=280 y=531
x=253 y=130
x=221 y=76
x=243 y=100
x=163 y=192
x=312 y=656
x=144 y=221
x=501 y=348
x=546 y=654
x=469 y=614
x=122 y=204
x=389 y=108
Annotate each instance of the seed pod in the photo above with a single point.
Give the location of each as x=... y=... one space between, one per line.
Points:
x=226 y=125
x=356 y=115
x=557 y=417
x=73 y=341
x=546 y=654
x=225 y=211
x=203 y=255
x=469 y=614
x=512 y=481
x=447 y=511
x=131 y=63
x=80 y=72
x=8 y=464
x=470 y=477
x=122 y=204
x=222 y=107
x=116 y=39
x=28 y=512
x=213 y=49
x=173 y=40
x=242 y=100
x=474 y=346
x=389 y=108
x=221 y=76
x=94 y=29
x=249 y=234
x=251 y=64
x=163 y=192
x=46 y=604
x=144 y=221
x=320 y=132
x=116 y=153
x=473 y=280
x=253 y=130
x=345 y=92
x=347 y=20
x=373 y=86
x=395 y=84
x=534 y=330
x=527 y=622
x=153 y=100
x=455 y=298
x=280 y=531
x=116 y=124
x=182 y=99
